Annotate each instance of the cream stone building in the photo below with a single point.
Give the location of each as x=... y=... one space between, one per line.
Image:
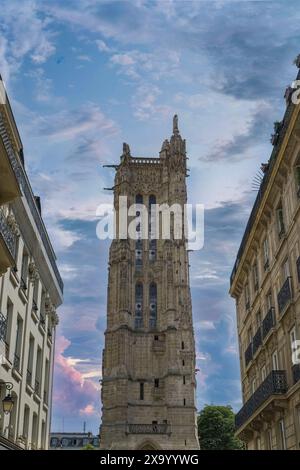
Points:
x=148 y=386
x=30 y=291
x=266 y=285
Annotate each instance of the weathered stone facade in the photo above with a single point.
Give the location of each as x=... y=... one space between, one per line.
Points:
x=148 y=386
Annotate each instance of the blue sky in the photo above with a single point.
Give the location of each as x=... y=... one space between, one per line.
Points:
x=83 y=77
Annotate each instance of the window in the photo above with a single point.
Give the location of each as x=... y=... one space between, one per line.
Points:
x=269 y=439
x=24 y=271
x=183 y=379
x=282 y=438
x=295 y=348
x=152 y=228
x=269 y=301
x=285 y=270
x=182 y=345
x=141 y=390
x=18 y=345
x=263 y=373
x=35 y=295
x=249 y=333
x=9 y=317
x=280 y=221
x=156 y=383
x=139 y=305
x=275 y=363
x=258 y=319
x=247 y=296
x=30 y=360
x=26 y=421
x=255 y=276
x=38 y=372
x=184 y=402
x=153 y=305
x=297 y=178
x=266 y=253
x=183 y=363
x=139 y=241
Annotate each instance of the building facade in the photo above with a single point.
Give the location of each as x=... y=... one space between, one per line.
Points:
x=148 y=385
x=30 y=291
x=73 y=440
x=265 y=283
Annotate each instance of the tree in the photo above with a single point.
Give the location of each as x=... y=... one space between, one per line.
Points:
x=88 y=447
x=216 y=429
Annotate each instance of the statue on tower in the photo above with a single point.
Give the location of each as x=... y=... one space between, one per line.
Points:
x=175 y=124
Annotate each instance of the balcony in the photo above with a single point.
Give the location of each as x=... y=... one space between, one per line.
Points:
x=248 y=354
x=257 y=341
x=284 y=295
x=7 y=243
x=3 y=327
x=296 y=373
x=268 y=322
x=274 y=384
x=148 y=429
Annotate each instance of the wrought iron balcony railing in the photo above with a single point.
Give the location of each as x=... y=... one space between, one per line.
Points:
x=3 y=327
x=296 y=373
x=248 y=354
x=274 y=384
x=27 y=191
x=7 y=234
x=148 y=428
x=257 y=340
x=284 y=295
x=268 y=322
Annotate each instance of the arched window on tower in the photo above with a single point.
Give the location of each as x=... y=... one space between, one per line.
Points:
x=138 y=321
x=153 y=305
x=152 y=229
x=139 y=241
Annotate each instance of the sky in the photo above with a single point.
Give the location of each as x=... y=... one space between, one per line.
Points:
x=84 y=77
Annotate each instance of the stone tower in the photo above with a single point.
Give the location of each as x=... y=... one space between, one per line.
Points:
x=148 y=386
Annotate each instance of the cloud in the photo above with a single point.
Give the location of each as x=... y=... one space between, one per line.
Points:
x=71 y=124
x=102 y=46
x=24 y=32
x=73 y=394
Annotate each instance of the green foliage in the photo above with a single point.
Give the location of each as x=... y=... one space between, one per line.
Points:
x=216 y=429
x=88 y=447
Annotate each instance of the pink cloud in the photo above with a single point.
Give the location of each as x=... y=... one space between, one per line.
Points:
x=73 y=394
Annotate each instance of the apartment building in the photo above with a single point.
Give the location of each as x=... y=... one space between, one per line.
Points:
x=265 y=283
x=30 y=291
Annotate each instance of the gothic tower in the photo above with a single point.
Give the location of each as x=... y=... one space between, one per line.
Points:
x=148 y=384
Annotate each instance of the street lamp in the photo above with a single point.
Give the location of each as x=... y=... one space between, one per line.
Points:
x=7 y=401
